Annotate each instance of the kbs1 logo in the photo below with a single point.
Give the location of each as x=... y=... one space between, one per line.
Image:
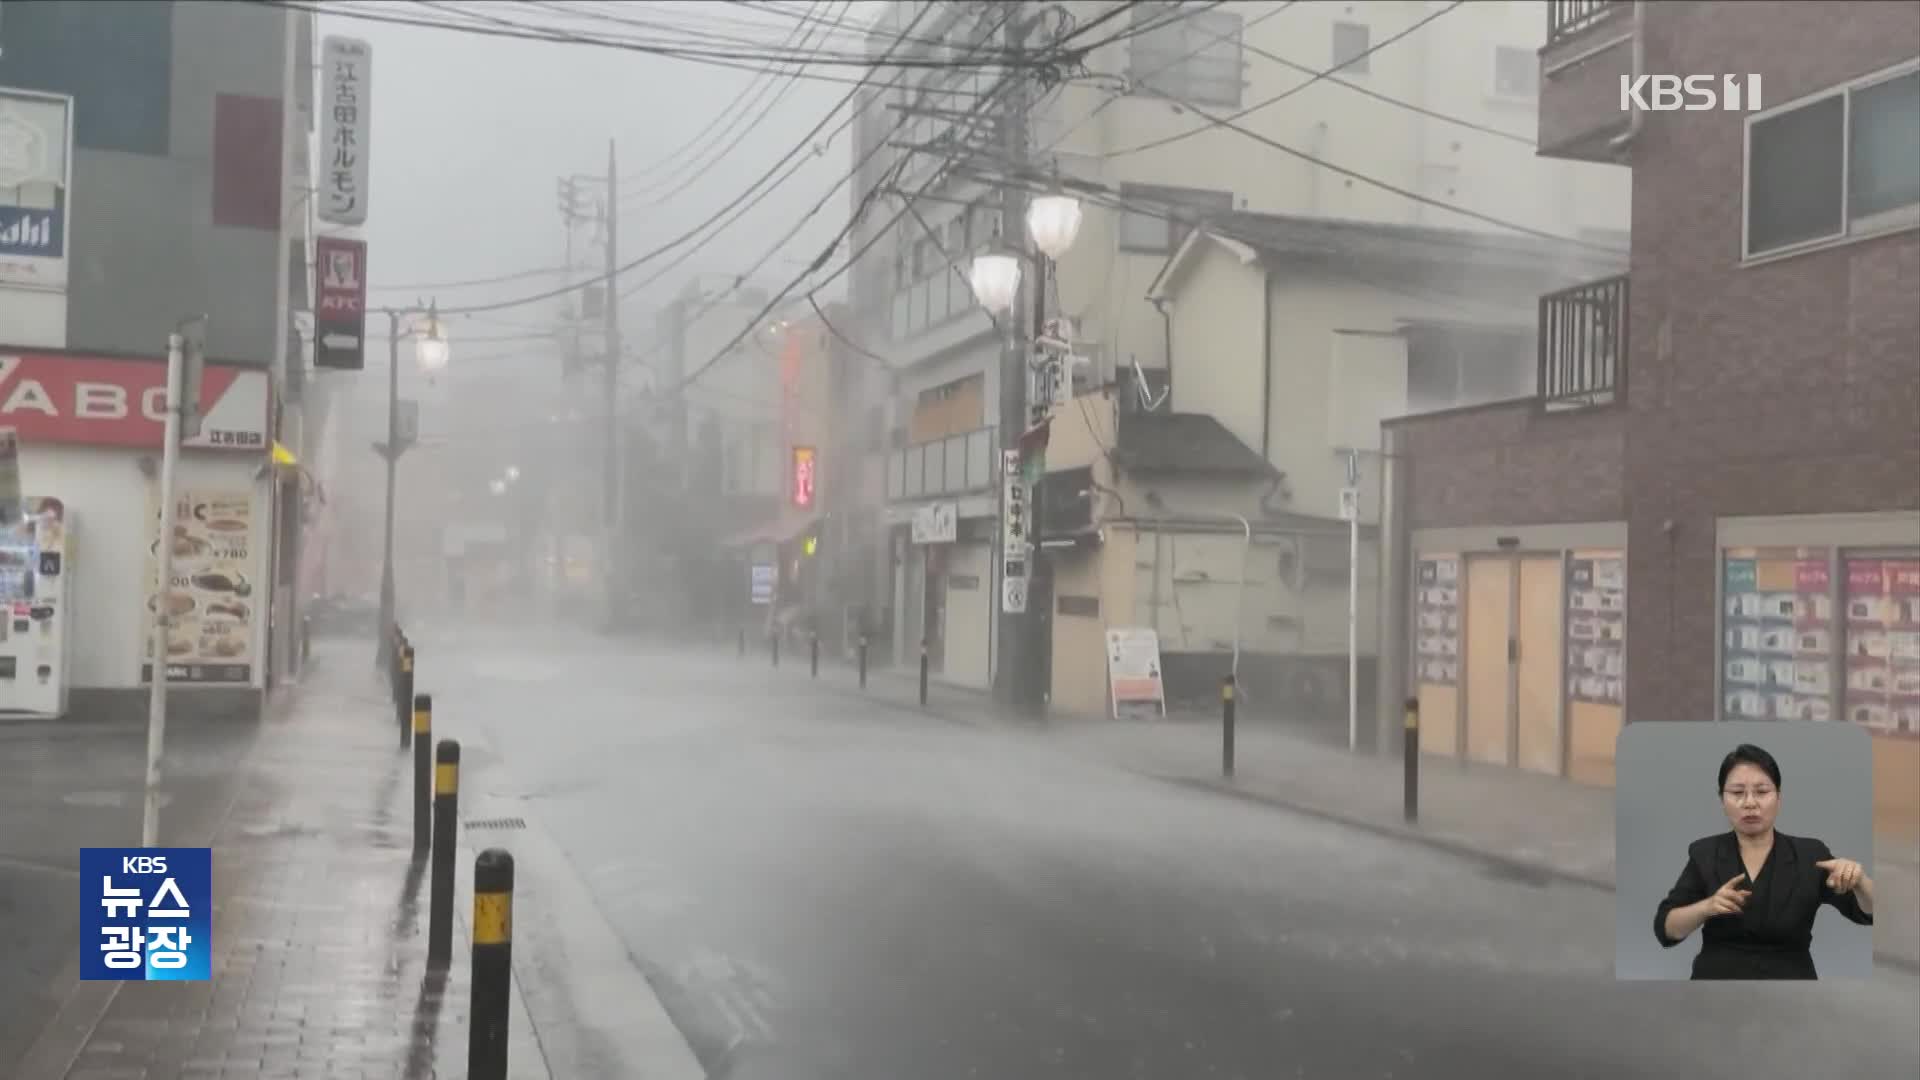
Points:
x=146 y=914
x=1690 y=93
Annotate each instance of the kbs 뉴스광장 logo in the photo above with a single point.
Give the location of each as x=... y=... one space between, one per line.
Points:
x=146 y=914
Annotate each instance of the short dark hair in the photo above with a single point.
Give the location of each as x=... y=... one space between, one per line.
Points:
x=1749 y=754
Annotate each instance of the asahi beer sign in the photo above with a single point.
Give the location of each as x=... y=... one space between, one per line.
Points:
x=346 y=84
x=340 y=318
x=35 y=145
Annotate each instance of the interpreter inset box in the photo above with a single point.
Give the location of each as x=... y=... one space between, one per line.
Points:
x=1744 y=851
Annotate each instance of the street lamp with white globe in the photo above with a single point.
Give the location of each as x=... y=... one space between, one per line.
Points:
x=430 y=355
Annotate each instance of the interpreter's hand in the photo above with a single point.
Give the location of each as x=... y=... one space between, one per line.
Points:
x=1731 y=899
x=1842 y=874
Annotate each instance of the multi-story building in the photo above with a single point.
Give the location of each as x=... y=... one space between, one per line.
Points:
x=155 y=171
x=1717 y=476
x=1425 y=129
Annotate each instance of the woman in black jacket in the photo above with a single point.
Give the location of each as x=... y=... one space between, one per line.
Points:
x=1756 y=891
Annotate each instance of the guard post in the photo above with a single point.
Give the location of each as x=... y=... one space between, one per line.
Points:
x=1227 y=707
x=813 y=655
x=773 y=643
x=863 y=661
x=743 y=643
x=446 y=815
x=422 y=774
x=923 y=673
x=1411 y=799
x=492 y=965
x=404 y=693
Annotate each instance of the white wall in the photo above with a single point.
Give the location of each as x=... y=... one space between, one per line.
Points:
x=1219 y=357
x=108 y=500
x=968 y=614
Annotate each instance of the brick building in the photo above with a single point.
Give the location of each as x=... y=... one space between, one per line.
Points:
x=1728 y=432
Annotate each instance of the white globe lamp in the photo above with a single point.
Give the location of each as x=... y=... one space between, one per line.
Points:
x=1053 y=221
x=996 y=281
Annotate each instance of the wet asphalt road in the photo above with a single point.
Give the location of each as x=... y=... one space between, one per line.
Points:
x=825 y=889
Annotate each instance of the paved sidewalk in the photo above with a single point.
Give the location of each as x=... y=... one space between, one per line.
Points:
x=1528 y=823
x=319 y=923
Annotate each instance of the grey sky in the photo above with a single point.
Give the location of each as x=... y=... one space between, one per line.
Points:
x=470 y=134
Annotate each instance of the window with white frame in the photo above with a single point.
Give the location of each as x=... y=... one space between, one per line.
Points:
x=1845 y=163
x=1187 y=55
x=1350 y=44
x=1516 y=72
x=1165 y=215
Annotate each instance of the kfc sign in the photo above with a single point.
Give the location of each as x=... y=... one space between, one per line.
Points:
x=803 y=467
x=64 y=397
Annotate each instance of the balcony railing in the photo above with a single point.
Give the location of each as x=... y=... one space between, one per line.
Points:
x=950 y=466
x=1566 y=18
x=1583 y=344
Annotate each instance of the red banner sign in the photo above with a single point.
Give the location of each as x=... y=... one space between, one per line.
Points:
x=65 y=397
x=803 y=466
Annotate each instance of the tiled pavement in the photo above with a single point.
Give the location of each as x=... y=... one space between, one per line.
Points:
x=319 y=922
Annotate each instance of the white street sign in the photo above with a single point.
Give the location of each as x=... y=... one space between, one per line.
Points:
x=1349 y=504
x=1013 y=595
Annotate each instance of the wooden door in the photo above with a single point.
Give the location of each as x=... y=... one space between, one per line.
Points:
x=1539 y=678
x=1489 y=669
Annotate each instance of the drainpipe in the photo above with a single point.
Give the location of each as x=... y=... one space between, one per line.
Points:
x=1166 y=326
x=1634 y=118
x=1394 y=634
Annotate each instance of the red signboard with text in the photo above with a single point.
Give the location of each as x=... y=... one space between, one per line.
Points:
x=340 y=314
x=50 y=396
x=803 y=468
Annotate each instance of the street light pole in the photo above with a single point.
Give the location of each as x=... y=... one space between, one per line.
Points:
x=392 y=454
x=1011 y=641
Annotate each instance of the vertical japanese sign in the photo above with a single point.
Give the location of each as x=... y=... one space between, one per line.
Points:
x=341 y=301
x=35 y=140
x=803 y=476
x=1013 y=536
x=346 y=84
x=146 y=914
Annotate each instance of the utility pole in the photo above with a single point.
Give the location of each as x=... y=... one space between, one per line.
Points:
x=1015 y=622
x=610 y=309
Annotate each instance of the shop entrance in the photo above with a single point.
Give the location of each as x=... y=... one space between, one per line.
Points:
x=1514 y=660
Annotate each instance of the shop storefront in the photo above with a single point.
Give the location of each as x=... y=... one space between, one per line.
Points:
x=90 y=431
x=1819 y=620
x=943 y=588
x=1519 y=645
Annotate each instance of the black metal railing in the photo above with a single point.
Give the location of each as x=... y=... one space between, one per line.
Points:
x=1568 y=17
x=1583 y=344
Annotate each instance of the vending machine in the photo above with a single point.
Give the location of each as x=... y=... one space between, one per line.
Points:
x=35 y=612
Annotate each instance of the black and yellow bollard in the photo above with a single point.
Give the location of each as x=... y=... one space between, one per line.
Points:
x=422 y=774
x=1411 y=797
x=863 y=661
x=405 y=695
x=492 y=965
x=1227 y=707
x=813 y=655
x=446 y=815
x=923 y=673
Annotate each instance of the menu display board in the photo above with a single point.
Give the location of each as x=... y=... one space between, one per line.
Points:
x=1437 y=620
x=1778 y=632
x=1597 y=627
x=212 y=601
x=1882 y=665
